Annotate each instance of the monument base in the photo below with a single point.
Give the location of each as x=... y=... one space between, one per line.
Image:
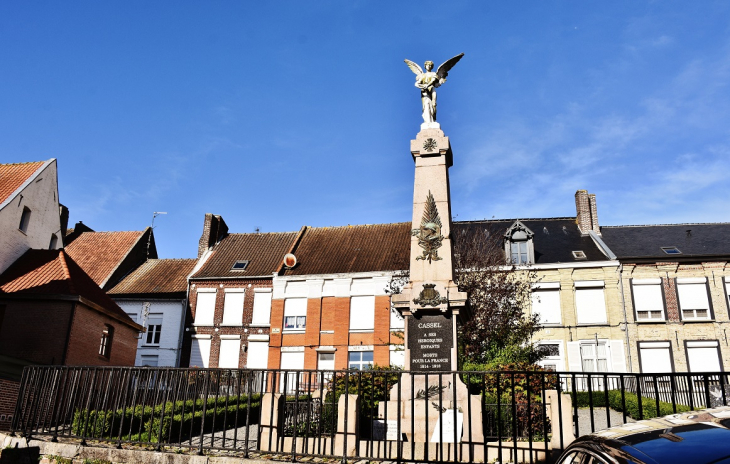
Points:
x=434 y=408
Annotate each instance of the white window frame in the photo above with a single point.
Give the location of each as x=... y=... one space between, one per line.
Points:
x=153 y=329
x=582 y=313
x=261 y=316
x=558 y=361
x=295 y=314
x=362 y=313
x=640 y=293
x=595 y=357
x=209 y=314
x=685 y=287
x=398 y=356
x=356 y=361
x=233 y=301
x=397 y=322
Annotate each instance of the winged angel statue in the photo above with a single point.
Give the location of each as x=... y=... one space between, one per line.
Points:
x=428 y=82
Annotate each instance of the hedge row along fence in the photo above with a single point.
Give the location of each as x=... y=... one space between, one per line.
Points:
x=181 y=420
x=629 y=403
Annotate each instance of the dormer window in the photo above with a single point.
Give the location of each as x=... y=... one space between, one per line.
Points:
x=518 y=244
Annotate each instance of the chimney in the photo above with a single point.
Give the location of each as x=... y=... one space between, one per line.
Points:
x=214 y=229
x=586 y=212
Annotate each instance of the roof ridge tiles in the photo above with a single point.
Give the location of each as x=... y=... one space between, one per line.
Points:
x=360 y=225
x=64 y=266
x=665 y=225
x=567 y=218
x=22 y=164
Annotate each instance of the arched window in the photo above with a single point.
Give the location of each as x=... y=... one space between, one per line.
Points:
x=518 y=244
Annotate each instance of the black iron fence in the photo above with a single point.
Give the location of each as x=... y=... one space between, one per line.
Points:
x=373 y=414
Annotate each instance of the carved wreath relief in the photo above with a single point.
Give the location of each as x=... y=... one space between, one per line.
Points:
x=429 y=144
x=429 y=296
x=429 y=234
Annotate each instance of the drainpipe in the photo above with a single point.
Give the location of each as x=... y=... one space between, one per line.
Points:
x=623 y=305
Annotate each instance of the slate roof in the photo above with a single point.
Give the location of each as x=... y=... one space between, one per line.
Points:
x=265 y=253
x=554 y=241
x=54 y=272
x=703 y=240
x=99 y=253
x=157 y=277
x=12 y=176
x=362 y=248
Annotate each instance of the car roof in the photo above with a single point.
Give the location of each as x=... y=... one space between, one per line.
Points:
x=697 y=437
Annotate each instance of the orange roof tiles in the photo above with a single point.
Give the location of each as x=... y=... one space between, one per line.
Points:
x=265 y=252
x=157 y=276
x=53 y=272
x=363 y=248
x=14 y=175
x=99 y=253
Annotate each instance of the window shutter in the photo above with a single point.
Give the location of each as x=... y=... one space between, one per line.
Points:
x=233 y=308
x=693 y=296
x=703 y=356
x=648 y=298
x=397 y=321
x=295 y=307
x=655 y=357
x=574 y=360
x=591 y=305
x=261 y=308
x=362 y=313
x=546 y=303
x=618 y=359
x=258 y=355
x=205 y=308
x=229 y=353
x=200 y=353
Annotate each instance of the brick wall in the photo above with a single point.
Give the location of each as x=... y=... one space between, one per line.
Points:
x=85 y=339
x=8 y=396
x=35 y=330
x=244 y=330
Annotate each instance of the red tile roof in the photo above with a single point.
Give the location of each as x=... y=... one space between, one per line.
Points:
x=13 y=176
x=53 y=272
x=157 y=276
x=99 y=253
x=265 y=252
x=363 y=248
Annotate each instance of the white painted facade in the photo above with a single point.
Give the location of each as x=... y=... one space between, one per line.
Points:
x=169 y=314
x=39 y=194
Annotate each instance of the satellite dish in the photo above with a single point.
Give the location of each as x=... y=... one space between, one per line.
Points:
x=290 y=260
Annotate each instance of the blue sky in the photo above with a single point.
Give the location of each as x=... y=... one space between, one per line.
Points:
x=282 y=114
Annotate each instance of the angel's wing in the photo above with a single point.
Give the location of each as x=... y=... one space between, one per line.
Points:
x=444 y=69
x=414 y=67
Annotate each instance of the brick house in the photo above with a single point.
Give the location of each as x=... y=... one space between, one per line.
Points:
x=29 y=209
x=155 y=296
x=331 y=310
x=675 y=280
x=230 y=296
x=52 y=312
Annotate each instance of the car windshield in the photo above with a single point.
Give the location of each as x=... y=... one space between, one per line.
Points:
x=696 y=443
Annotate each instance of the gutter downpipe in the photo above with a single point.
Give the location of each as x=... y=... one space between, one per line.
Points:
x=623 y=305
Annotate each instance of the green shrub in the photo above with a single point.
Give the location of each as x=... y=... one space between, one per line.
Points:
x=631 y=403
x=179 y=422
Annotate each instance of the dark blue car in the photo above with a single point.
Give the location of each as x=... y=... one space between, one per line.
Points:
x=700 y=437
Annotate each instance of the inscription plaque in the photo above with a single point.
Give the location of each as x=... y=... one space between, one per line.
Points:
x=430 y=339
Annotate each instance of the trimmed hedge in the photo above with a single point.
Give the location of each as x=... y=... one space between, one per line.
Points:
x=179 y=423
x=631 y=400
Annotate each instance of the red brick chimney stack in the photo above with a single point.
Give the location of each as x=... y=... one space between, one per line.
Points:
x=586 y=212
